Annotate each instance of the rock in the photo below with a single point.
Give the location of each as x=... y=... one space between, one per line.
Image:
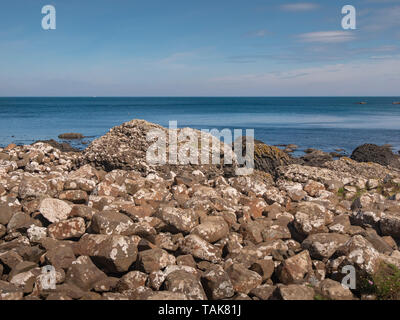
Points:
x=71 y=136
x=167 y=296
x=185 y=283
x=316 y=158
x=181 y=220
x=5 y=214
x=111 y=222
x=268 y=158
x=68 y=229
x=20 y=222
x=243 y=279
x=334 y=290
x=295 y=292
x=74 y=196
x=212 y=230
x=373 y=153
x=312 y=218
x=114 y=253
x=131 y=281
x=60 y=256
x=84 y=274
x=155 y=259
x=324 y=245
x=54 y=210
x=294 y=269
x=10 y=292
x=265 y=268
x=32 y=187
x=390 y=225
x=200 y=249
x=263 y=292
x=217 y=283
x=63 y=147
x=36 y=234
x=313 y=187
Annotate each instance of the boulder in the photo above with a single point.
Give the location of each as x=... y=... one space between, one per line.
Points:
x=54 y=210
x=378 y=154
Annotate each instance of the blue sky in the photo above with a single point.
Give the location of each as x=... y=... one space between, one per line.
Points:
x=199 y=48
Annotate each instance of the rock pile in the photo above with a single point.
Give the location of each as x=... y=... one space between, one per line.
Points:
x=115 y=229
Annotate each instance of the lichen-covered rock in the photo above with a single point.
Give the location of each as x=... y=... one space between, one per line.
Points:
x=54 y=210
x=111 y=222
x=334 y=290
x=155 y=259
x=68 y=229
x=294 y=269
x=186 y=283
x=200 y=249
x=243 y=279
x=83 y=273
x=324 y=245
x=114 y=253
x=217 y=283
x=295 y=292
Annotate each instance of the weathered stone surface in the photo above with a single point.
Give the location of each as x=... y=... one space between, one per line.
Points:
x=68 y=229
x=212 y=230
x=114 y=253
x=373 y=153
x=294 y=269
x=390 y=225
x=334 y=290
x=74 y=196
x=324 y=245
x=217 y=283
x=183 y=220
x=295 y=292
x=186 y=283
x=155 y=259
x=54 y=210
x=5 y=214
x=111 y=222
x=243 y=279
x=312 y=218
x=83 y=273
x=131 y=281
x=200 y=249
x=10 y=292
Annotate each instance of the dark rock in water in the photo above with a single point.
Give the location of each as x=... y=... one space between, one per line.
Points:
x=378 y=154
x=71 y=136
x=362 y=102
x=63 y=147
x=335 y=154
x=315 y=158
x=396 y=102
x=269 y=158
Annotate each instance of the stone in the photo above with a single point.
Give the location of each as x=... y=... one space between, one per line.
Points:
x=313 y=187
x=243 y=279
x=71 y=136
x=155 y=259
x=263 y=292
x=131 y=281
x=32 y=187
x=185 y=283
x=9 y=291
x=217 y=283
x=20 y=222
x=60 y=256
x=181 y=220
x=390 y=225
x=295 y=292
x=6 y=213
x=312 y=218
x=294 y=269
x=84 y=274
x=265 y=268
x=54 y=210
x=201 y=249
x=212 y=230
x=373 y=153
x=74 y=196
x=68 y=229
x=36 y=234
x=324 y=245
x=334 y=290
x=114 y=253
x=111 y=222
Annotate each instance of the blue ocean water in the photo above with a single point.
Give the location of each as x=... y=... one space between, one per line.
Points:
x=319 y=122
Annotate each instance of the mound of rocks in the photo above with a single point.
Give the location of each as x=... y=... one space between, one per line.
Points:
x=130 y=233
x=125 y=147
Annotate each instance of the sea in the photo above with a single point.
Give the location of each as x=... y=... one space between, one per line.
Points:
x=326 y=123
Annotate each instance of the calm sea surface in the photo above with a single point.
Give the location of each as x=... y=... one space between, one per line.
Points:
x=323 y=123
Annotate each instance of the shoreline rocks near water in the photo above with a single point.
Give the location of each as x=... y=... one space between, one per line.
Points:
x=116 y=228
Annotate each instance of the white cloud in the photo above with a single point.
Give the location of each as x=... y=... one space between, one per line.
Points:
x=302 y=6
x=257 y=34
x=327 y=36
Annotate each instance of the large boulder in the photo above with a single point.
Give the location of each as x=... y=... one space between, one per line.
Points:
x=126 y=146
x=378 y=154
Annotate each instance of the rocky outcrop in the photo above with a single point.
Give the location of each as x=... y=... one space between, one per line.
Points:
x=377 y=154
x=134 y=233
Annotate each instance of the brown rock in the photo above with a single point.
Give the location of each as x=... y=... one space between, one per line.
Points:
x=243 y=280
x=74 y=196
x=83 y=273
x=185 y=283
x=69 y=229
x=295 y=292
x=212 y=230
x=334 y=290
x=181 y=220
x=155 y=259
x=200 y=249
x=324 y=245
x=111 y=222
x=217 y=283
x=294 y=269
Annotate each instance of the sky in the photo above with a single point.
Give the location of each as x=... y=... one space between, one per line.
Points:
x=199 y=48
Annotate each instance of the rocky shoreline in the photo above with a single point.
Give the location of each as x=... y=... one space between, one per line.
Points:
x=115 y=228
